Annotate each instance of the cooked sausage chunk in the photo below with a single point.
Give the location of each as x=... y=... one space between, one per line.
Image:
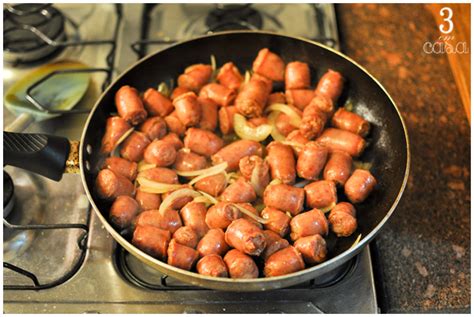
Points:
x=285 y=261
x=312 y=248
x=308 y=223
x=245 y=237
x=359 y=185
x=240 y=265
x=212 y=265
x=343 y=219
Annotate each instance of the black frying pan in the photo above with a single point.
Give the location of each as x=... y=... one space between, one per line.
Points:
x=388 y=150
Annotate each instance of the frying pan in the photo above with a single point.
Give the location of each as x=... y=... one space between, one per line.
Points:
x=388 y=150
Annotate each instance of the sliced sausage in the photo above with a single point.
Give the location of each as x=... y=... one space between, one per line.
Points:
x=359 y=186
x=297 y=137
x=174 y=139
x=194 y=217
x=212 y=265
x=154 y=128
x=240 y=191
x=123 y=210
x=110 y=185
x=269 y=65
x=284 y=261
x=226 y=119
x=258 y=168
x=188 y=109
x=283 y=124
x=229 y=76
x=321 y=194
x=129 y=105
x=208 y=114
x=181 y=256
x=245 y=237
x=189 y=161
x=252 y=98
x=235 y=151
x=284 y=197
x=331 y=85
x=221 y=215
x=160 y=175
x=338 y=168
x=240 y=265
x=276 y=97
x=195 y=76
x=279 y=222
x=147 y=201
x=350 y=121
x=273 y=243
x=213 y=185
x=282 y=162
x=160 y=153
x=322 y=103
x=156 y=104
x=312 y=248
x=152 y=240
x=299 y=98
x=213 y=243
x=297 y=75
x=115 y=127
x=178 y=91
x=308 y=223
x=202 y=141
x=220 y=94
x=186 y=236
x=343 y=219
x=122 y=167
x=174 y=124
x=169 y=220
x=311 y=160
x=134 y=146
x=336 y=139
x=312 y=122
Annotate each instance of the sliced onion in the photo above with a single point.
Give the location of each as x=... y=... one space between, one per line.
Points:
x=289 y=214
x=232 y=177
x=164 y=89
x=143 y=166
x=259 y=207
x=349 y=106
x=214 y=68
x=275 y=181
x=276 y=135
x=363 y=166
x=149 y=186
x=295 y=116
x=246 y=132
x=356 y=241
x=252 y=215
x=247 y=77
x=256 y=182
x=302 y=183
x=293 y=144
x=183 y=192
x=216 y=169
x=328 y=208
x=115 y=151
x=213 y=200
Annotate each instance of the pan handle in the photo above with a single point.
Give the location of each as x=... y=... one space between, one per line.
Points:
x=47 y=155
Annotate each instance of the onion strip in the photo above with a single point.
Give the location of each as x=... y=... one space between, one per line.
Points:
x=275 y=181
x=247 y=77
x=251 y=215
x=143 y=166
x=356 y=241
x=183 y=192
x=276 y=135
x=210 y=198
x=255 y=181
x=149 y=186
x=246 y=132
x=216 y=169
x=115 y=151
x=361 y=165
x=164 y=89
x=293 y=144
x=295 y=117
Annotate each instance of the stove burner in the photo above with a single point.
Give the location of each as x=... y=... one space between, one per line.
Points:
x=8 y=194
x=24 y=25
x=234 y=17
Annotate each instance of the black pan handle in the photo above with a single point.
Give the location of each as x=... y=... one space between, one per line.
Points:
x=39 y=153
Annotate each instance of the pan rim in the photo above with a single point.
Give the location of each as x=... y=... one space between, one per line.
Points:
x=342 y=257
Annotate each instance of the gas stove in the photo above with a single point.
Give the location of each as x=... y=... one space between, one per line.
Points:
x=58 y=258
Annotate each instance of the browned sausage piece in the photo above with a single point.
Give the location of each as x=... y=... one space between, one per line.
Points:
x=282 y=162
x=279 y=221
x=181 y=256
x=269 y=65
x=343 y=219
x=208 y=114
x=147 y=201
x=336 y=139
x=213 y=243
x=230 y=76
x=359 y=185
x=312 y=122
x=194 y=217
x=311 y=160
x=282 y=262
x=233 y=152
x=186 y=236
x=213 y=185
x=255 y=164
x=174 y=124
x=169 y=220
x=174 y=139
x=160 y=175
x=152 y=240
x=284 y=197
x=154 y=128
x=134 y=146
x=252 y=210
x=308 y=223
x=160 y=153
x=338 y=168
x=330 y=85
x=123 y=210
x=350 y=121
x=240 y=265
x=188 y=109
x=267 y=81
x=297 y=137
x=189 y=161
x=245 y=237
x=195 y=76
x=252 y=98
x=129 y=105
x=115 y=127
x=212 y=265
x=178 y=91
x=156 y=104
x=321 y=194
x=179 y=203
x=283 y=125
x=110 y=185
x=297 y=75
x=299 y=98
x=122 y=167
x=221 y=215
x=220 y=94
x=312 y=248
x=273 y=243
x=240 y=191
x=202 y=141
x=226 y=119
x=276 y=97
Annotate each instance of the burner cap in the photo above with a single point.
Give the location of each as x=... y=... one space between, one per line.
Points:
x=21 y=45
x=234 y=17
